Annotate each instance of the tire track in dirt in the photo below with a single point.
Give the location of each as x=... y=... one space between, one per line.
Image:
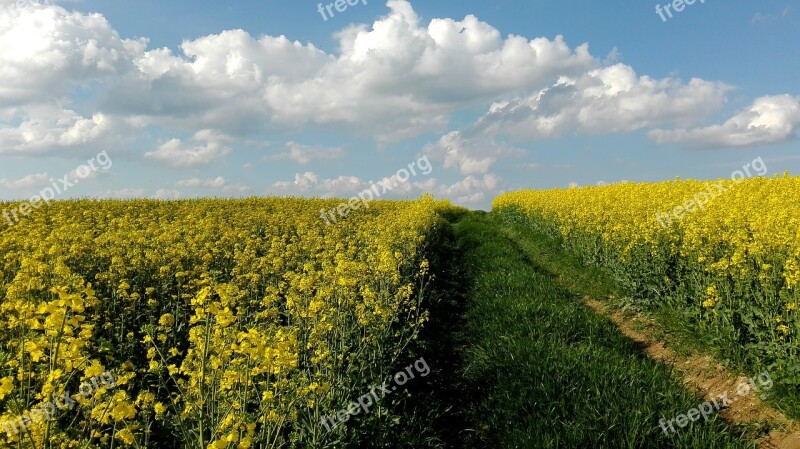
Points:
x=709 y=379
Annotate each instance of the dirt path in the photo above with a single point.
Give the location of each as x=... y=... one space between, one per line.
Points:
x=709 y=379
x=700 y=373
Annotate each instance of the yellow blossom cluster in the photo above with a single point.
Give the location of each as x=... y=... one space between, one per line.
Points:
x=226 y=323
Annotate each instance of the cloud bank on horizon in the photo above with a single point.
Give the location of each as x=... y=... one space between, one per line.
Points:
x=210 y=115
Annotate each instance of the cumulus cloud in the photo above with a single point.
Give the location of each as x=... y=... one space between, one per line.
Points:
x=611 y=99
x=206 y=148
x=309 y=183
x=303 y=182
x=303 y=154
x=471 y=189
x=468 y=156
x=48 y=51
x=218 y=183
x=768 y=120
x=396 y=78
x=46 y=128
x=125 y=193
x=398 y=75
x=29 y=181
x=166 y=194
x=471 y=151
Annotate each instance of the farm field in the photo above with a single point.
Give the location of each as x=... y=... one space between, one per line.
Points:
x=726 y=266
x=207 y=324
x=253 y=323
x=399 y=224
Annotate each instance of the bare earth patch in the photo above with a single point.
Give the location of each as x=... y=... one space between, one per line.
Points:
x=709 y=379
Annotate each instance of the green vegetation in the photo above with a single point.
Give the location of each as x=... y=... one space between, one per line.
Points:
x=540 y=370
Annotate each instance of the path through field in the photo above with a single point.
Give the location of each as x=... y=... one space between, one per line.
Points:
x=538 y=368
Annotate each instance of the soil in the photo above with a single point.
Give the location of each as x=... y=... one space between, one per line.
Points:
x=709 y=379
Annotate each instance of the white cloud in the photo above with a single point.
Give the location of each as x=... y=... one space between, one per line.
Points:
x=83 y=172
x=607 y=100
x=29 y=181
x=125 y=193
x=767 y=120
x=218 y=183
x=612 y=99
x=166 y=194
x=311 y=183
x=456 y=152
x=342 y=185
x=393 y=79
x=303 y=154
x=765 y=18
x=303 y=182
x=471 y=189
x=47 y=51
x=45 y=128
x=469 y=155
x=176 y=154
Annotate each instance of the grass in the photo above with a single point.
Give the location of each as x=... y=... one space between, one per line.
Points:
x=541 y=370
x=672 y=327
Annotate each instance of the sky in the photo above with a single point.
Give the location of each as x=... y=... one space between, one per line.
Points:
x=462 y=99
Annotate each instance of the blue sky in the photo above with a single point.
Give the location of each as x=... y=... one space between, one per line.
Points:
x=247 y=98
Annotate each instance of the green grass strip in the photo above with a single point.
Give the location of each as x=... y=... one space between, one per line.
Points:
x=544 y=371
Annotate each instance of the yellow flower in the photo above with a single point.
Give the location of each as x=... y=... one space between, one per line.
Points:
x=246 y=443
x=320 y=289
x=145 y=399
x=6 y=386
x=166 y=320
x=35 y=351
x=123 y=410
x=126 y=436
x=94 y=370
x=219 y=444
